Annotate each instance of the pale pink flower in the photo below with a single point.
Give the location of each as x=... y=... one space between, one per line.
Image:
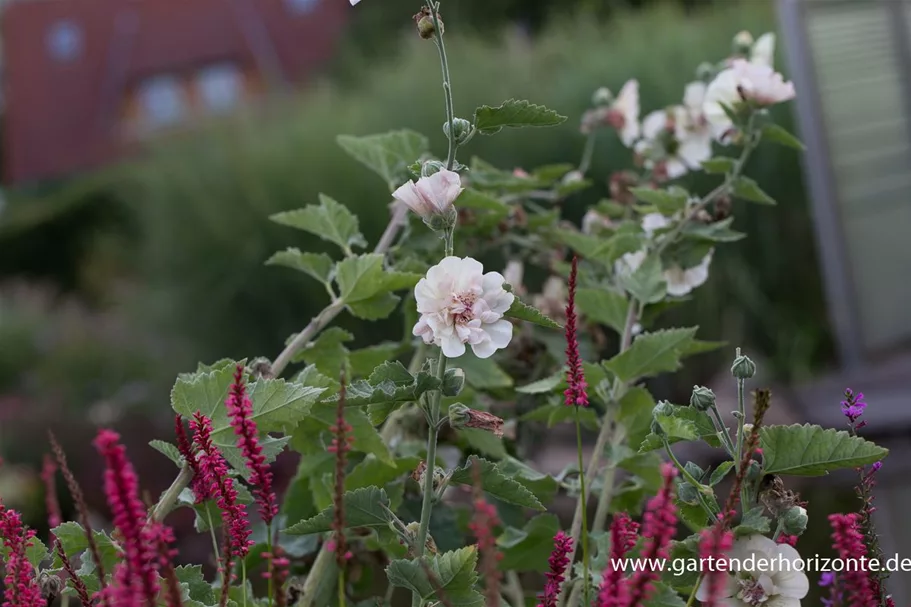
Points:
x=756 y=83
x=432 y=195
x=460 y=304
x=623 y=114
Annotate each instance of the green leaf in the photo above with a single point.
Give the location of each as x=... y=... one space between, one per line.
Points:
x=389 y=383
x=328 y=352
x=647 y=283
x=603 y=306
x=495 y=483
x=808 y=450
x=74 y=541
x=35 y=553
x=365 y=360
x=199 y=589
x=528 y=313
x=484 y=442
x=545 y=384
x=317 y=265
x=664 y=596
x=636 y=414
x=555 y=413
x=278 y=405
x=372 y=471
x=542 y=485
x=747 y=189
x=720 y=472
x=651 y=354
x=331 y=221
x=681 y=423
x=473 y=199
x=363 y=508
x=719 y=165
x=752 y=523
x=454 y=572
x=365 y=285
x=483 y=374
x=719 y=231
x=168 y=450
x=514 y=113
x=527 y=549
x=387 y=154
x=777 y=134
x=667 y=202
x=271 y=446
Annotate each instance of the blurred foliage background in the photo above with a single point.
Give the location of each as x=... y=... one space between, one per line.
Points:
x=113 y=281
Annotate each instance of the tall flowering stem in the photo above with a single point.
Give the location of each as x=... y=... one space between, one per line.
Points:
x=614 y=591
x=848 y=541
x=188 y=452
x=163 y=538
x=48 y=475
x=20 y=584
x=136 y=576
x=81 y=510
x=714 y=544
x=659 y=527
x=78 y=585
x=341 y=445
x=482 y=525
x=214 y=471
x=559 y=561
x=576 y=396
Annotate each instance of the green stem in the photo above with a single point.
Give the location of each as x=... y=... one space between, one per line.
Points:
x=169 y=498
x=692 y=598
x=741 y=408
x=447 y=82
x=341 y=588
x=723 y=431
x=587 y=154
x=514 y=588
x=690 y=479
x=585 y=583
x=243 y=580
x=212 y=533
x=272 y=560
x=607 y=484
x=322 y=567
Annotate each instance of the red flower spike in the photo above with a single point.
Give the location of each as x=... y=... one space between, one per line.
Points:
x=659 y=526
x=559 y=561
x=575 y=394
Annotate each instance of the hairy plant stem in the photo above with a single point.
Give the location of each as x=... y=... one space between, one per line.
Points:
x=514 y=588
x=447 y=82
x=271 y=560
x=690 y=601
x=169 y=498
x=607 y=483
x=341 y=588
x=587 y=153
x=689 y=478
x=433 y=429
x=212 y=533
x=584 y=509
x=318 y=572
x=741 y=408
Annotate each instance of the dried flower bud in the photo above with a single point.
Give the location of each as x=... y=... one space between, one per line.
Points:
x=743 y=367
x=794 y=521
x=461 y=129
x=418 y=473
x=461 y=416
x=431 y=167
x=722 y=208
x=453 y=382
x=411 y=536
x=424 y=22
x=602 y=97
x=702 y=398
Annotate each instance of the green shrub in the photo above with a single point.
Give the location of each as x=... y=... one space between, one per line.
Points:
x=204 y=200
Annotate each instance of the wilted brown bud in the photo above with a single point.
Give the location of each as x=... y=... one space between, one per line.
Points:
x=461 y=416
x=424 y=22
x=418 y=474
x=722 y=208
x=703 y=216
x=620 y=184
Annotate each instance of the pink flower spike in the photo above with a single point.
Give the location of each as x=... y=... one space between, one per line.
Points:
x=214 y=471
x=136 y=576
x=559 y=561
x=20 y=584
x=659 y=527
x=714 y=544
x=848 y=541
x=240 y=409
x=575 y=394
x=48 y=475
x=614 y=591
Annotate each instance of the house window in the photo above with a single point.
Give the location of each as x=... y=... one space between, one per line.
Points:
x=162 y=101
x=64 y=41
x=220 y=87
x=301 y=7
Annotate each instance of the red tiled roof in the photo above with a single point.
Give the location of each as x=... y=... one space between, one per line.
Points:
x=62 y=116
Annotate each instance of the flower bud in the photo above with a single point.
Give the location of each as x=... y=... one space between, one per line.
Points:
x=602 y=96
x=702 y=398
x=453 y=382
x=742 y=43
x=431 y=167
x=706 y=72
x=461 y=129
x=424 y=22
x=461 y=416
x=743 y=367
x=432 y=197
x=662 y=408
x=794 y=521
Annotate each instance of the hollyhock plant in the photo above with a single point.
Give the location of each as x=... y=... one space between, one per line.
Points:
x=460 y=304
x=387 y=435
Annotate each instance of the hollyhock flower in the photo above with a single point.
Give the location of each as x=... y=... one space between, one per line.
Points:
x=559 y=561
x=848 y=541
x=20 y=583
x=658 y=527
x=767 y=587
x=432 y=195
x=676 y=140
x=763 y=51
x=755 y=83
x=593 y=222
x=624 y=113
x=460 y=304
x=214 y=472
x=623 y=533
x=240 y=410
x=136 y=576
x=552 y=298
x=575 y=394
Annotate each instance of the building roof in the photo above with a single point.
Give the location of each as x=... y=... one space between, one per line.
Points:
x=69 y=64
